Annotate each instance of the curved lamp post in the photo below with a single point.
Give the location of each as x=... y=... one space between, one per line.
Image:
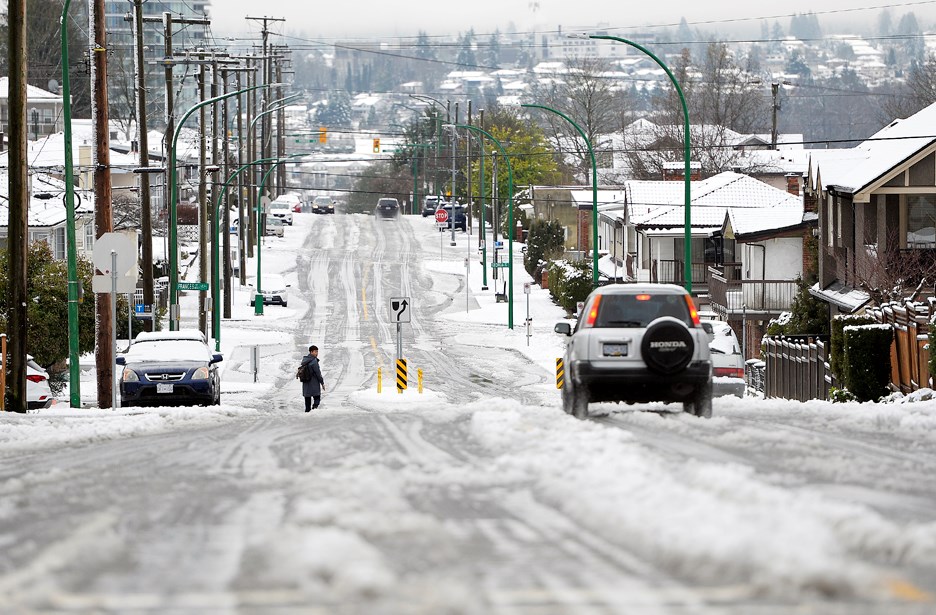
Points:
x=173 y=206
x=594 y=174
x=215 y=252
x=74 y=368
x=686 y=153
x=258 y=296
x=510 y=222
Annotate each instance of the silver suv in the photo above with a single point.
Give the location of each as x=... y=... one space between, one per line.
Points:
x=637 y=343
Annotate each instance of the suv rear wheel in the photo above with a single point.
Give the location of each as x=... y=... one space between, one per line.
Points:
x=667 y=346
x=575 y=402
x=701 y=404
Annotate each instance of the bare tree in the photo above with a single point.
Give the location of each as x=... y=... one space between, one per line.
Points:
x=588 y=97
x=888 y=273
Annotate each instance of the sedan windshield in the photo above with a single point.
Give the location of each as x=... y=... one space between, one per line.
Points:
x=167 y=350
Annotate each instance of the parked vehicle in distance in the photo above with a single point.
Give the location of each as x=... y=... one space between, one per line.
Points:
x=387 y=207
x=281 y=210
x=170 y=368
x=457 y=216
x=38 y=391
x=297 y=208
x=274 y=289
x=637 y=343
x=273 y=227
x=323 y=205
x=727 y=360
x=430 y=204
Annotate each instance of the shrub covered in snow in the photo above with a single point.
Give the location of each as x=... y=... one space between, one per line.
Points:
x=569 y=283
x=867 y=360
x=837 y=340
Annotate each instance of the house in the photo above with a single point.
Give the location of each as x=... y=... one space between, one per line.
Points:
x=46 y=217
x=43 y=111
x=646 y=233
x=877 y=213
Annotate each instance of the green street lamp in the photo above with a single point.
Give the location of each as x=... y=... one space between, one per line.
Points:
x=510 y=222
x=173 y=206
x=594 y=174
x=215 y=252
x=74 y=368
x=258 y=297
x=686 y=153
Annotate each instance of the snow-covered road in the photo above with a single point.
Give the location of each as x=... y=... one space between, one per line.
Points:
x=477 y=496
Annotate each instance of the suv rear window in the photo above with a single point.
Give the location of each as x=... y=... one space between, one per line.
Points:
x=638 y=311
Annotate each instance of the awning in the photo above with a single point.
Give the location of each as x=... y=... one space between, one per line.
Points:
x=844 y=297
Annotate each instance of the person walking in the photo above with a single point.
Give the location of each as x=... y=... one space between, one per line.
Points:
x=313 y=387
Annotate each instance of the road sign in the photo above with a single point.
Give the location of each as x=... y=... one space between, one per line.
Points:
x=500 y=265
x=498 y=245
x=192 y=286
x=399 y=309
x=441 y=216
x=124 y=245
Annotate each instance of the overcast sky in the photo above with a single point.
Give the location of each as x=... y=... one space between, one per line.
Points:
x=387 y=18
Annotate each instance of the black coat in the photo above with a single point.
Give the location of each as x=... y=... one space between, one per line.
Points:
x=312 y=387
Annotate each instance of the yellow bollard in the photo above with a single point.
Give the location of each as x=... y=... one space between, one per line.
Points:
x=379 y=381
x=560 y=373
x=419 y=378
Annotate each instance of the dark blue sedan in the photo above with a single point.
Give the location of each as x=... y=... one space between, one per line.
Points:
x=169 y=368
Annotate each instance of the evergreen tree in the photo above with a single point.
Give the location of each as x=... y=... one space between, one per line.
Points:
x=466 y=55
x=424 y=49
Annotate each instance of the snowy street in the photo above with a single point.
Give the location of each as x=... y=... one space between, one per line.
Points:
x=476 y=496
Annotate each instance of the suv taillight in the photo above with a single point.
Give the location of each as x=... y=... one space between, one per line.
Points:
x=730 y=372
x=35 y=378
x=693 y=313
x=592 y=312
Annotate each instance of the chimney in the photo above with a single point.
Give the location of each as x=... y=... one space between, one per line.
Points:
x=793 y=183
x=675 y=171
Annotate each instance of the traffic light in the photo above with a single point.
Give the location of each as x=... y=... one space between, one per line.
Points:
x=323 y=134
x=376 y=146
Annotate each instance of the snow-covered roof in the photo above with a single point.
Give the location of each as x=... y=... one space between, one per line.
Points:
x=661 y=204
x=883 y=151
x=32 y=92
x=745 y=221
x=844 y=297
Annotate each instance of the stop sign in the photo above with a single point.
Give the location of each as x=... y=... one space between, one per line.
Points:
x=441 y=216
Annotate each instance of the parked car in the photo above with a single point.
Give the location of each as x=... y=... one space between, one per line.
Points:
x=281 y=210
x=457 y=217
x=387 y=207
x=637 y=343
x=323 y=205
x=727 y=360
x=274 y=290
x=38 y=392
x=174 y=368
x=431 y=204
x=297 y=208
x=273 y=227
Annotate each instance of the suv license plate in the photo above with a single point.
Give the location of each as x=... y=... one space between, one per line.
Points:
x=164 y=388
x=615 y=350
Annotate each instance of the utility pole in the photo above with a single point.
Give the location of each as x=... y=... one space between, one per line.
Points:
x=241 y=226
x=226 y=216
x=267 y=124
x=775 y=91
x=143 y=140
x=470 y=204
x=203 y=262
x=103 y=215
x=19 y=202
x=280 y=136
x=251 y=226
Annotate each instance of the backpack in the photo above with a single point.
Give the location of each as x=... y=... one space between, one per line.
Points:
x=305 y=372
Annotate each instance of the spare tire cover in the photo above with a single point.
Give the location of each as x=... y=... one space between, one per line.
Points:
x=667 y=346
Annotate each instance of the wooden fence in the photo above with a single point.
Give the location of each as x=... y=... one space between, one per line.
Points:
x=910 y=352
x=796 y=368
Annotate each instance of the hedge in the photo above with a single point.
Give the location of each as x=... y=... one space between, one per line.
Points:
x=837 y=341
x=867 y=360
x=569 y=283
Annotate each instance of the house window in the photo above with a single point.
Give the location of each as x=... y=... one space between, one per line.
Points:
x=89 y=236
x=921 y=221
x=58 y=243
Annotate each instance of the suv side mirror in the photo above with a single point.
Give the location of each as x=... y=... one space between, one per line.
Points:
x=563 y=328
